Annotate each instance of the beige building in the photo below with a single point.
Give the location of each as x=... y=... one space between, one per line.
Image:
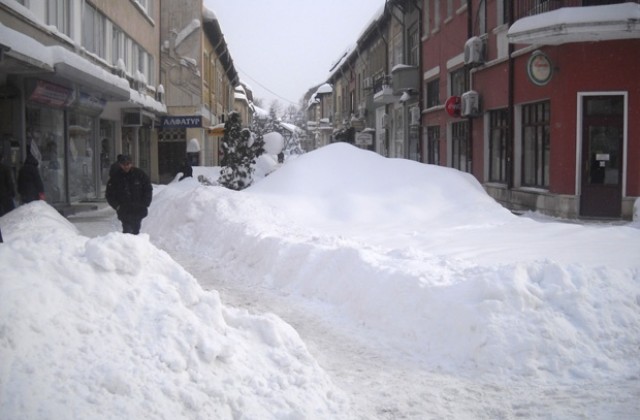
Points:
x=199 y=79
x=78 y=84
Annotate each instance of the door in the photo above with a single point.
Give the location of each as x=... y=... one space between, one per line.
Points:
x=602 y=156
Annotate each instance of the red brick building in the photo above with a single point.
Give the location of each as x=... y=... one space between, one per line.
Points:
x=536 y=99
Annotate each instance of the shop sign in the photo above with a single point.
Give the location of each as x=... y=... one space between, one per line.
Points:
x=89 y=104
x=50 y=94
x=181 y=121
x=452 y=106
x=364 y=139
x=539 y=68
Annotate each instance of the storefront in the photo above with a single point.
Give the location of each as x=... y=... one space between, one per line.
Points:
x=174 y=136
x=72 y=145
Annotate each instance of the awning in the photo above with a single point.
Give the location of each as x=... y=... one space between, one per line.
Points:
x=216 y=130
x=92 y=81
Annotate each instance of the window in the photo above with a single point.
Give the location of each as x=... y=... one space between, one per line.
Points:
x=449 y=9
x=151 y=70
x=482 y=18
x=498 y=137
x=207 y=68
x=59 y=15
x=535 y=144
x=433 y=144
x=459 y=81
x=93 y=31
x=461 y=146
x=116 y=45
x=436 y=15
x=503 y=11
x=397 y=45
x=432 y=93
x=146 y=5
x=414 y=46
x=427 y=16
x=142 y=61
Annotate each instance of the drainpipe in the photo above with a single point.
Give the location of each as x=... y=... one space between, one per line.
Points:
x=469 y=35
x=511 y=87
x=418 y=5
x=386 y=65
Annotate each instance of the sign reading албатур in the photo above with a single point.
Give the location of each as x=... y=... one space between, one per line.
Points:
x=179 y=121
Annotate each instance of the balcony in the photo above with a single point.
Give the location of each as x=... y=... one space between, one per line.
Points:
x=555 y=22
x=382 y=91
x=524 y=8
x=405 y=79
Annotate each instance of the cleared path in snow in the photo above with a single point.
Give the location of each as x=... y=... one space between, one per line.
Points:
x=384 y=383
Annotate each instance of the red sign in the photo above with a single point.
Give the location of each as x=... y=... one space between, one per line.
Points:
x=50 y=94
x=452 y=106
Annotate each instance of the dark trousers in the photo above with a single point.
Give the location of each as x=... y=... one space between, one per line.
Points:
x=131 y=225
x=1 y=241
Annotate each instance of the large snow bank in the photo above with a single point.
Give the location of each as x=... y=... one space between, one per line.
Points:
x=112 y=327
x=423 y=259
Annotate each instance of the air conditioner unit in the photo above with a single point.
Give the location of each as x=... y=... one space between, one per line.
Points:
x=470 y=104
x=415 y=115
x=474 y=51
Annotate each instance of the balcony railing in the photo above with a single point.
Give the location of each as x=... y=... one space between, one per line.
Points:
x=524 y=8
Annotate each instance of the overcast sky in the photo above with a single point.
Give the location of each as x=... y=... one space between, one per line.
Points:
x=281 y=48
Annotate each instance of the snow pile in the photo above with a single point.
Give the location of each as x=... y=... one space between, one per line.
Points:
x=413 y=260
x=112 y=327
x=421 y=258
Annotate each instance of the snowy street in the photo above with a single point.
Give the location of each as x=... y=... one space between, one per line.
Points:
x=415 y=295
x=387 y=384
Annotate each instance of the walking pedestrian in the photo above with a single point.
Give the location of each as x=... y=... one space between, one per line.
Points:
x=30 y=184
x=186 y=169
x=115 y=167
x=7 y=188
x=129 y=192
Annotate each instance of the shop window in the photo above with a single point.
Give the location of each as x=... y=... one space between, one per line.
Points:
x=82 y=157
x=498 y=137
x=461 y=146
x=536 y=144
x=45 y=134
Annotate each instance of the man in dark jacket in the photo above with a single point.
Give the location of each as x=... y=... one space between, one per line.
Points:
x=129 y=192
x=30 y=184
x=7 y=189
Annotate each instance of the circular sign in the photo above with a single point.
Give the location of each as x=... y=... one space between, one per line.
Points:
x=452 y=106
x=539 y=68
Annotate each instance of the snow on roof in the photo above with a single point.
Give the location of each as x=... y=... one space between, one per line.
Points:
x=578 y=24
x=30 y=50
x=208 y=15
x=325 y=88
x=26 y=48
x=260 y=112
x=290 y=127
x=147 y=102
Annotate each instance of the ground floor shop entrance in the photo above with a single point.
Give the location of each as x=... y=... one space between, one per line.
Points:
x=602 y=156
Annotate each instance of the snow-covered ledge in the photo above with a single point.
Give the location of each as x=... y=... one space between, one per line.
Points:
x=578 y=24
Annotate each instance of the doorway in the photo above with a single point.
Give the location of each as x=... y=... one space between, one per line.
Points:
x=602 y=156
